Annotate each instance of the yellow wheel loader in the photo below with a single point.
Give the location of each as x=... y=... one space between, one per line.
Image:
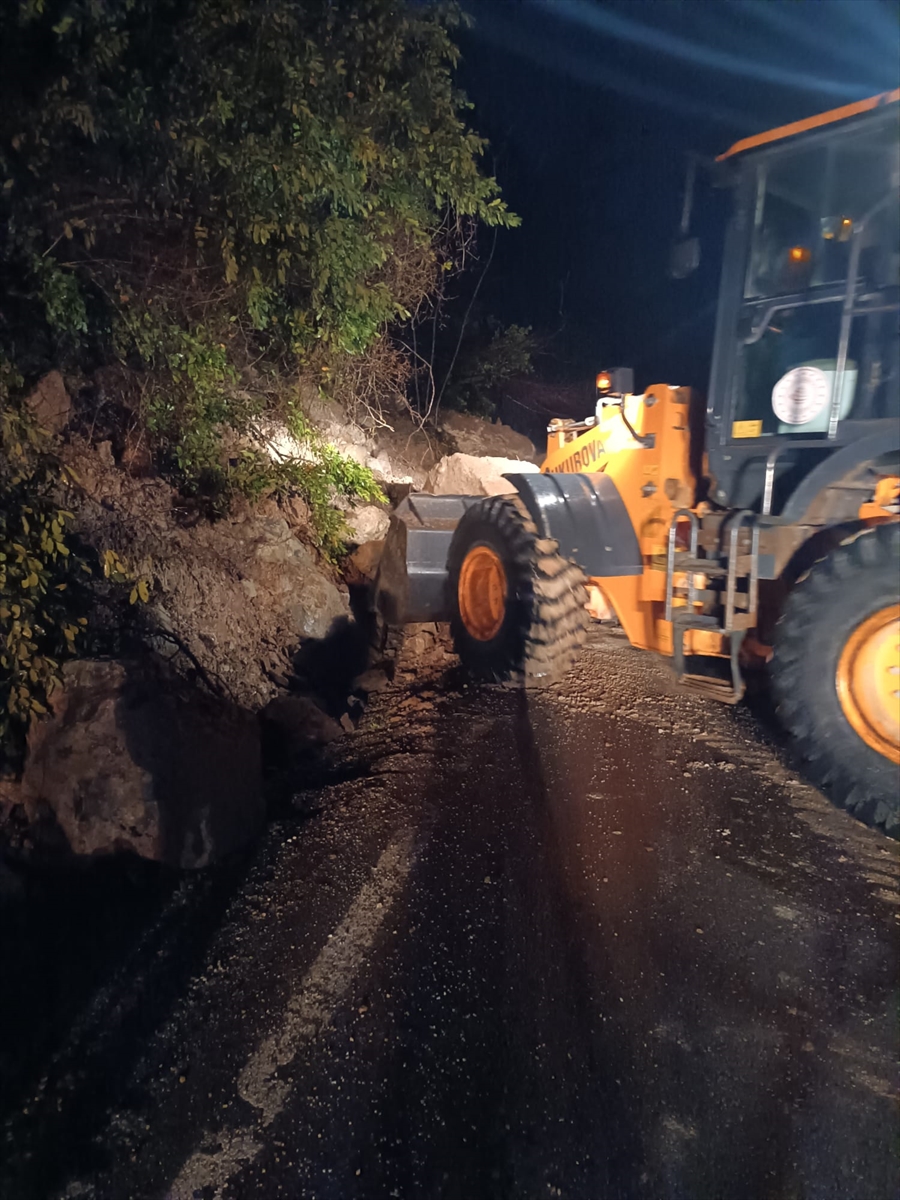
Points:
x=765 y=527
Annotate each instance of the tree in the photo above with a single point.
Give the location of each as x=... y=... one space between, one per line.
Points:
x=187 y=186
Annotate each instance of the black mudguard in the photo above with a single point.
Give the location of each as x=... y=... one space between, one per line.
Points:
x=587 y=517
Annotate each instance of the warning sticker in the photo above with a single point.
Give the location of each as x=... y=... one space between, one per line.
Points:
x=800 y=395
x=744 y=429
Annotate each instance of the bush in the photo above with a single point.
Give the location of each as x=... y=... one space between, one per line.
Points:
x=41 y=598
x=318 y=476
x=214 y=196
x=488 y=358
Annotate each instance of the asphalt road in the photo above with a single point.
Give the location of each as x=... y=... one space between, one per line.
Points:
x=595 y=944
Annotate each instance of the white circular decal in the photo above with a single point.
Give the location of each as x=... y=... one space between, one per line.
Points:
x=800 y=395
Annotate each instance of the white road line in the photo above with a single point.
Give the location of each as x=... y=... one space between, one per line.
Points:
x=309 y=1010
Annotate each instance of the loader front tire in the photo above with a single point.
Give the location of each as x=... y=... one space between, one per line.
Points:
x=836 y=674
x=518 y=606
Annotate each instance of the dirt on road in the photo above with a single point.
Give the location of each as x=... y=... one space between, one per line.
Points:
x=594 y=943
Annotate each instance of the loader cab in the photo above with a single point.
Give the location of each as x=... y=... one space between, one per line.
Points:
x=806 y=363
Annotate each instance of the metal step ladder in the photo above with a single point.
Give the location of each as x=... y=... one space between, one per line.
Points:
x=733 y=614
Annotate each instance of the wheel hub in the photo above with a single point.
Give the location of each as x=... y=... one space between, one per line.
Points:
x=482 y=593
x=868 y=681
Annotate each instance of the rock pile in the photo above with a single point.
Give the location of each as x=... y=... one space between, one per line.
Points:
x=132 y=760
x=162 y=756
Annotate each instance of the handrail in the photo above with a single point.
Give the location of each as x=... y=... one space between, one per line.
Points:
x=681 y=514
x=734 y=530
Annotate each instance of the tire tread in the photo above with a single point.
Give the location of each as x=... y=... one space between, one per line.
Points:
x=549 y=591
x=856 y=777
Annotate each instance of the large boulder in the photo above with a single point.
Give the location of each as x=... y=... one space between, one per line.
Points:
x=50 y=403
x=468 y=475
x=294 y=726
x=474 y=435
x=294 y=583
x=367 y=523
x=132 y=760
x=227 y=597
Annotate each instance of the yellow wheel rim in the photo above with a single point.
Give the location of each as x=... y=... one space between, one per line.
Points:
x=482 y=593
x=868 y=681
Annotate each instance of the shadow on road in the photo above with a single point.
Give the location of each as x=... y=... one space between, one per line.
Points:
x=483 y=1068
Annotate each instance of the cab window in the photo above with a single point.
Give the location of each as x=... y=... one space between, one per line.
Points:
x=813 y=207
x=808 y=203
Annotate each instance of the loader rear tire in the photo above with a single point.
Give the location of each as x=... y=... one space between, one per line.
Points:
x=836 y=674
x=518 y=606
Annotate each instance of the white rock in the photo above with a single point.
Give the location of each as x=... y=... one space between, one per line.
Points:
x=467 y=475
x=367 y=523
x=386 y=471
x=353 y=450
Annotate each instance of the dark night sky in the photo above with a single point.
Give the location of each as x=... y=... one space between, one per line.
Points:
x=591 y=107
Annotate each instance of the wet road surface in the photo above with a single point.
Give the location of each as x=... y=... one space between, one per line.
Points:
x=597 y=943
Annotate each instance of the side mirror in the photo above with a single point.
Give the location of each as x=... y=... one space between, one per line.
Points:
x=684 y=258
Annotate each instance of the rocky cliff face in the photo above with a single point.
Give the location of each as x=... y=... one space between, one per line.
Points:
x=238 y=595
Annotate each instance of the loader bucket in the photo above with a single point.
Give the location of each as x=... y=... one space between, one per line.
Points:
x=411 y=584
